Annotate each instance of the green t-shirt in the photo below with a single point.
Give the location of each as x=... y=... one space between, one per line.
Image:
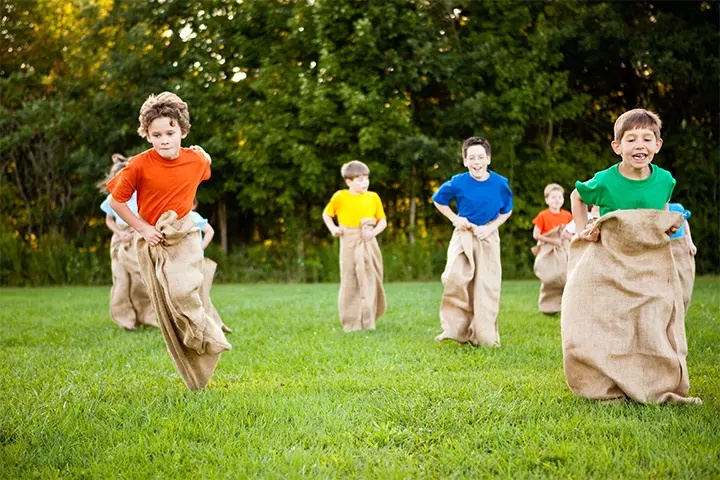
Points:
x=611 y=191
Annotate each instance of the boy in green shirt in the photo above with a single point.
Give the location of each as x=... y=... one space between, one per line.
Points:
x=634 y=182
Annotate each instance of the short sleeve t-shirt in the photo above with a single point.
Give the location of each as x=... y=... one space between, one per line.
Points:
x=161 y=184
x=611 y=191
x=677 y=207
x=547 y=220
x=350 y=209
x=132 y=205
x=478 y=201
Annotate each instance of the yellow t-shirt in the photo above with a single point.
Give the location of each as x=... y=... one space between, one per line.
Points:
x=350 y=209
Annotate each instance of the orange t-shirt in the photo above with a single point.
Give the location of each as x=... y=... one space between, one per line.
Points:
x=547 y=220
x=161 y=184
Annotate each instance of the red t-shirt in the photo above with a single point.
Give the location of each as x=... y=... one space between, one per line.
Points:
x=547 y=220
x=161 y=184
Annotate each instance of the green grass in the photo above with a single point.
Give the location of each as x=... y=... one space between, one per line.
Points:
x=297 y=397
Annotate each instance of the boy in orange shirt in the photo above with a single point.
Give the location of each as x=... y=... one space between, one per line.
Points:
x=551 y=251
x=552 y=217
x=361 y=218
x=166 y=178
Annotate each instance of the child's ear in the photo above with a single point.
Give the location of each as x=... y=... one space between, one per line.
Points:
x=616 y=147
x=659 y=145
x=348 y=182
x=184 y=134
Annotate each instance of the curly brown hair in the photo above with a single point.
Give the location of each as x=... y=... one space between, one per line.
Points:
x=166 y=104
x=119 y=162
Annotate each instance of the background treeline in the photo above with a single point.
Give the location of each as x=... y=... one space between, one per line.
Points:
x=283 y=92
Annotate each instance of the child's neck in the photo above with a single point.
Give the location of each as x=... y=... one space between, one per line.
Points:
x=354 y=192
x=554 y=210
x=628 y=171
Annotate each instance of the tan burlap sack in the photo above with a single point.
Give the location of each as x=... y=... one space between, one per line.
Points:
x=685 y=265
x=173 y=272
x=209 y=268
x=362 y=297
x=551 y=268
x=130 y=305
x=622 y=319
x=471 y=300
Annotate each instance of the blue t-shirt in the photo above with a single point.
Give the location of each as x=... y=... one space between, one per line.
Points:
x=132 y=205
x=677 y=207
x=200 y=222
x=478 y=201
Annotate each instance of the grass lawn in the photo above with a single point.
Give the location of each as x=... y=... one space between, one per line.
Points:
x=297 y=397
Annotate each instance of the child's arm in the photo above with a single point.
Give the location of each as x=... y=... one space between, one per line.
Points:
x=334 y=229
x=375 y=231
x=458 y=222
x=691 y=245
x=112 y=225
x=208 y=234
x=544 y=238
x=484 y=231
x=579 y=211
x=149 y=232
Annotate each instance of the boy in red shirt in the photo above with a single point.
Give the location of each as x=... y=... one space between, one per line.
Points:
x=166 y=178
x=552 y=217
x=551 y=251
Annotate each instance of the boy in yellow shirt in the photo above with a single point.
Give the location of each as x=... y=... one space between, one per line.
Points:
x=361 y=218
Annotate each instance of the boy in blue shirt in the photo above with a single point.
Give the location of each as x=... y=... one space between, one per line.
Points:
x=684 y=250
x=130 y=305
x=209 y=267
x=473 y=274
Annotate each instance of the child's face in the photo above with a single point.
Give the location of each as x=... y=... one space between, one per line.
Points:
x=638 y=147
x=476 y=160
x=555 y=200
x=358 y=184
x=165 y=135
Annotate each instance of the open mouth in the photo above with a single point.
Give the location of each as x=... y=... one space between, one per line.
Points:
x=639 y=156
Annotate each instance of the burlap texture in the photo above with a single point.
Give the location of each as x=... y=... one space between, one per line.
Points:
x=173 y=272
x=471 y=300
x=361 y=300
x=209 y=268
x=130 y=305
x=685 y=265
x=551 y=268
x=622 y=320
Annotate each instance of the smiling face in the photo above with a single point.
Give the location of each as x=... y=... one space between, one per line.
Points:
x=555 y=200
x=165 y=136
x=637 y=148
x=358 y=184
x=477 y=160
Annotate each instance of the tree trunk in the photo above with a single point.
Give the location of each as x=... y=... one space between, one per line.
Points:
x=222 y=219
x=413 y=207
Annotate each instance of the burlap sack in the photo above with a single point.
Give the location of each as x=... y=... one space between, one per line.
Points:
x=362 y=297
x=685 y=265
x=130 y=305
x=622 y=320
x=173 y=272
x=551 y=268
x=471 y=300
x=209 y=268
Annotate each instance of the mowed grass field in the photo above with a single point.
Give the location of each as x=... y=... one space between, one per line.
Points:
x=297 y=397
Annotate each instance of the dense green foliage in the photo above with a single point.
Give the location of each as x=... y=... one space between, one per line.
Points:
x=298 y=398
x=283 y=92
